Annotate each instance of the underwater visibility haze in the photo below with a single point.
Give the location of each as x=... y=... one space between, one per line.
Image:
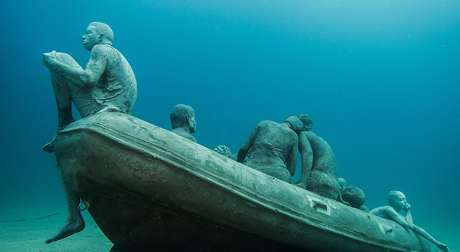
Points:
x=380 y=79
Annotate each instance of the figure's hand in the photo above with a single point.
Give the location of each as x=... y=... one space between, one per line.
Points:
x=407 y=206
x=442 y=246
x=50 y=59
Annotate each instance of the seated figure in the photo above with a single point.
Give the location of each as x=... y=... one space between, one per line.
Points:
x=318 y=162
x=354 y=196
x=398 y=210
x=183 y=121
x=271 y=148
x=106 y=84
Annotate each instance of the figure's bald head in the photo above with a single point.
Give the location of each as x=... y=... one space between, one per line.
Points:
x=294 y=123
x=307 y=121
x=183 y=116
x=397 y=200
x=342 y=182
x=354 y=195
x=104 y=30
x=395 y=195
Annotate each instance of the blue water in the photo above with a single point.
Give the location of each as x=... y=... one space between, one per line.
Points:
x=379 y=78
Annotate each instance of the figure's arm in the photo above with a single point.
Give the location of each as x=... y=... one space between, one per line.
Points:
x=393 y=215
x=245 y=148
x=427 y=236
x=306 y=158
x=409 y=216
x=82 y=77
x=422 y=231
x=292 y=158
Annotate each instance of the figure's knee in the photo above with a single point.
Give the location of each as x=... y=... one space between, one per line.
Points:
x=66 y=59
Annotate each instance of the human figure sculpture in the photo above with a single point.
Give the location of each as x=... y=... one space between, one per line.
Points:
x=342 y=183
x=399 y=210
x=106 y=84
x=183 y=121
x=317 y=162
x=354 y=196
x=272 y=147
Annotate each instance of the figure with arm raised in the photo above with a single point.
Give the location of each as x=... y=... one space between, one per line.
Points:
x=398 y=210
x=106 y=84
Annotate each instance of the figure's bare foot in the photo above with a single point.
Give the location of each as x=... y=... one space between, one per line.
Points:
x=49 y=147
x=69 y=229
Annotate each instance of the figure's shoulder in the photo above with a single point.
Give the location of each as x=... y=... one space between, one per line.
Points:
x=100 y=49
x=264 y=123
x=382 y=210
x=312 y=136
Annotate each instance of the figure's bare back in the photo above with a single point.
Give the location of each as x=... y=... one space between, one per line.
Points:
x=323 y=154
x=117 y=86
x=274 y=141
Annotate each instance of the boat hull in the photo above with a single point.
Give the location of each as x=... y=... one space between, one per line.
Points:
x=148 y=188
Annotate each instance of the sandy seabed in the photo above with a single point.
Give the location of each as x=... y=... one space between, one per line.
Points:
x=26 y=228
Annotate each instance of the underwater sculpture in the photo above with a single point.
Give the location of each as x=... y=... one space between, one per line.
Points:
x=224 y=150
x=272 y=147
x=149 y=189
x=183 y=121
x=342 y=183
x=354 y=196
x=318 y=162
x=399 y=210
x=106 y=84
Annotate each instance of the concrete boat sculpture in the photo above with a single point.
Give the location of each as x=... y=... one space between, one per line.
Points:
x=148 y=188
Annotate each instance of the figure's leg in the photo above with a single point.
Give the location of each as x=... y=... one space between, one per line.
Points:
x=62 y=93
x=63 y=100
x=64 y=106
x=75 y=222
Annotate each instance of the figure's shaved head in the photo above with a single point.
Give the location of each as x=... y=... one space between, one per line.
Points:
x=181 y=115
x=395 y=196
x=104 y=30
x=354 y=195
x=307 y=121
x=295 y=123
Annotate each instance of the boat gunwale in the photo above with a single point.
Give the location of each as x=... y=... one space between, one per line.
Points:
x=272 y=204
